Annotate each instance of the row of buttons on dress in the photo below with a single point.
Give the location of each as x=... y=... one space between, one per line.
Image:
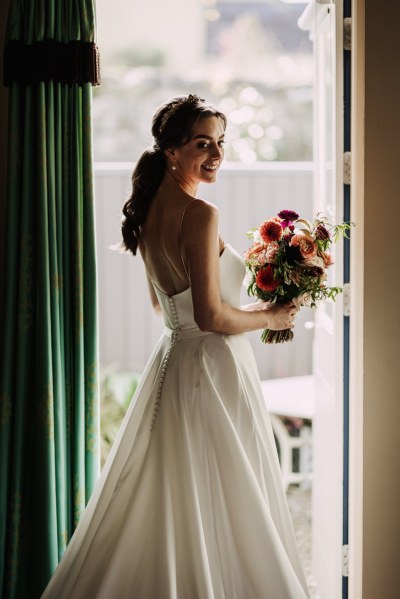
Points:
x=166 y=359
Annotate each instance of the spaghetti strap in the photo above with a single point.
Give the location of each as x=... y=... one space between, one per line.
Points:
x=179 y=237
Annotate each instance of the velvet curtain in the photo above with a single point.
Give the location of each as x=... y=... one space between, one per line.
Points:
x=49 y=416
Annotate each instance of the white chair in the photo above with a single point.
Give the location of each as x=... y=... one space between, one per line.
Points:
x=292 y=397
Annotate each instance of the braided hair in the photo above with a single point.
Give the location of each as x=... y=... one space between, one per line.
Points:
x=173 y=125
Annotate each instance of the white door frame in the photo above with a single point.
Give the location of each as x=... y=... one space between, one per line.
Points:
x=324 y=20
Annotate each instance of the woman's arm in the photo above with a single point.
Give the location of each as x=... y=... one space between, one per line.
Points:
x=201 y=247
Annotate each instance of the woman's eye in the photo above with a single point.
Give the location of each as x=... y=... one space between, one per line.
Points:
x=204 y=145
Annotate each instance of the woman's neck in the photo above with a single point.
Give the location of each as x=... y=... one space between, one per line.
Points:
x=172 y=180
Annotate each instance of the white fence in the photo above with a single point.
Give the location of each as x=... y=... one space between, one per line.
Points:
x=245 y=196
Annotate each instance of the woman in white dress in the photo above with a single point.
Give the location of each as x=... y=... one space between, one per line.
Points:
x=190 y=503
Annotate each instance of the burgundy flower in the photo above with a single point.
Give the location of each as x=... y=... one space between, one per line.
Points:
x=287 y=216
x=322 y=232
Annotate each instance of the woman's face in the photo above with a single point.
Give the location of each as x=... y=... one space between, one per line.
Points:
x=199 y=159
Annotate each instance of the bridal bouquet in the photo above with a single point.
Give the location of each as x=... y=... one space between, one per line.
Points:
x=288 y=262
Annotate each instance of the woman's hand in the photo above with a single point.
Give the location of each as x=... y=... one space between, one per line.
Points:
x=281 y=316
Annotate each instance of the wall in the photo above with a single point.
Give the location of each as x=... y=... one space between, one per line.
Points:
x=376 y=345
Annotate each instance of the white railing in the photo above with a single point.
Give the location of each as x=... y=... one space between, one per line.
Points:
x=245 y=196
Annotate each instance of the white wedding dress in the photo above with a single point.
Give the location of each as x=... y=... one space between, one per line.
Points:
x=190 y=504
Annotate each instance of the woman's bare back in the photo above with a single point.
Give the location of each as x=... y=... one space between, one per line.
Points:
x=163 y=236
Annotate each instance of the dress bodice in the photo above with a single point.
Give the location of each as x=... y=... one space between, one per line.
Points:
x=178 y=309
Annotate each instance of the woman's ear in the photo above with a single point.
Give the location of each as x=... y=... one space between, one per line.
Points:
x=170 y=154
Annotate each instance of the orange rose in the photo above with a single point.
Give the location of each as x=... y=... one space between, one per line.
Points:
x=307 y=246
x=296 y=240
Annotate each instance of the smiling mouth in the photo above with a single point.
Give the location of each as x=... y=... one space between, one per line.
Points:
x=209 y=168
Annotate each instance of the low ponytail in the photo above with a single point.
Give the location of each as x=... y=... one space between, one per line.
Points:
x=146 y=179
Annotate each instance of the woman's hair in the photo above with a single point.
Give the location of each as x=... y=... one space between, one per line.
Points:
x=173 y=125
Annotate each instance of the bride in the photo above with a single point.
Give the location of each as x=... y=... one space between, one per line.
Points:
x=190 y=503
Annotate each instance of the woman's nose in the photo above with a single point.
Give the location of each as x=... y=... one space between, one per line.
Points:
x=216 y=151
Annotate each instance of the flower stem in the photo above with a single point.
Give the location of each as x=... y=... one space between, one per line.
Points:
x=270 y=336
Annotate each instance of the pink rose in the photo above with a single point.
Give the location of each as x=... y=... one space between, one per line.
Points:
x=315 y=261
x=271 y=251
x=327 y=258
x=254 y=250
x=262 y=253
x=261 y=257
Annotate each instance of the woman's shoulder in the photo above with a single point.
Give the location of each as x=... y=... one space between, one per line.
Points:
x=198 y=208
x=199 y=218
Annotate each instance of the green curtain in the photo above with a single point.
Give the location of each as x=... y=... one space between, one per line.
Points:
x=49 y=417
